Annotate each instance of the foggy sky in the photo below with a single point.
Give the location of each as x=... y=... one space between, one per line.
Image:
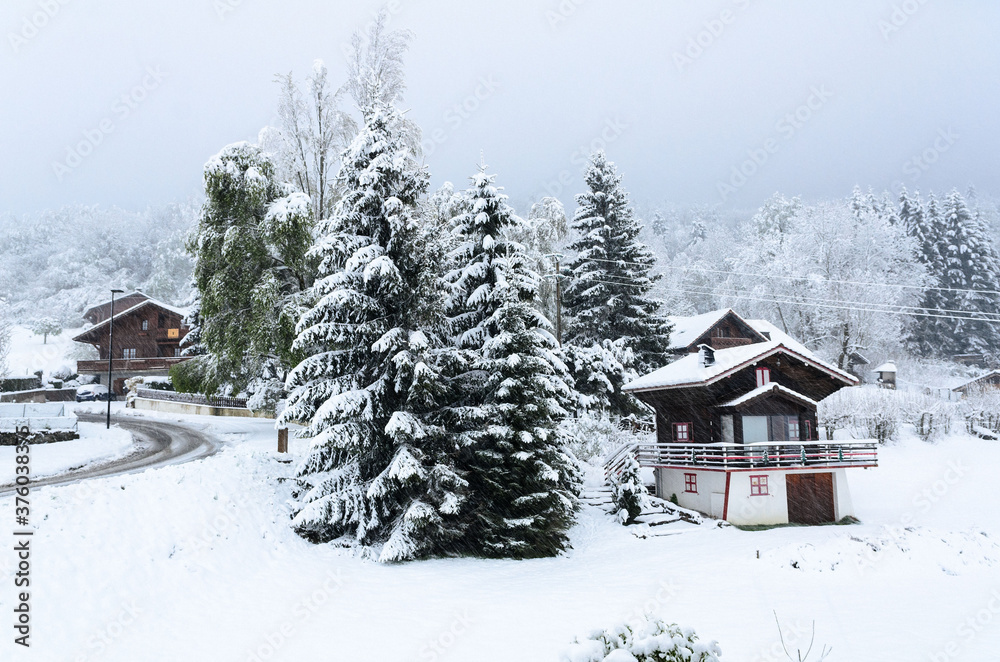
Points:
x=806 y=98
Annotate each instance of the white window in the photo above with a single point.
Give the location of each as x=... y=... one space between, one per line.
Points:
x=145 y=325
x=763 y=376
x=128 y=353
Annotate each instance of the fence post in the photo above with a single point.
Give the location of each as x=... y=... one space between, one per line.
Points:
x=282 y=440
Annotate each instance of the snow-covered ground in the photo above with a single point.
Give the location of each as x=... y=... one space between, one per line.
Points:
x=197 y=562
x=29 y=352
x=96 y=444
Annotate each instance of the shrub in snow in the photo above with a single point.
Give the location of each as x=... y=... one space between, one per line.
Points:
x=628 y=493
x=649 y=640
x=593 y=435
x=874 y=412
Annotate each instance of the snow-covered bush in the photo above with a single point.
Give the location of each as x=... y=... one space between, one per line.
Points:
x=593 y=436
x=652 y=640
x=872 y=412
x=628 y=493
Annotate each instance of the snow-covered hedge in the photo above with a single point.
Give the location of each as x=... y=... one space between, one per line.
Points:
x=651 y=640
x=593 y=436
x=878 y=413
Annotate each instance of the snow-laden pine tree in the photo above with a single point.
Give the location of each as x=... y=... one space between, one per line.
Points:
x=971 y=278
x=523 y=481
x=924 y=331
x=251 y=264
x=381 y=466
x=608 y=292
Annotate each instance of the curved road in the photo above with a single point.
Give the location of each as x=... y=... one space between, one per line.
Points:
x=160 y=444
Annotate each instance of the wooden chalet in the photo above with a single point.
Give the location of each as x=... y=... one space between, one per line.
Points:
x=988 y=382
x=736 y=428
x=146 y=343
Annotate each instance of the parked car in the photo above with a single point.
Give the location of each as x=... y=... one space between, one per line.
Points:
x=93 y=392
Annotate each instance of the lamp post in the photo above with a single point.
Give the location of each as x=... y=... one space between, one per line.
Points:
x=111 y=350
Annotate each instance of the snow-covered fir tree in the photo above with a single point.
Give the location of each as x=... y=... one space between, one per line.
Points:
x=971 y=278
x=523 y=481
x=607 y=294
x=251 y=265
x=381 y=466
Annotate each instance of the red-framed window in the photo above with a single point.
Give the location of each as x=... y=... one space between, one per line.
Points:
x=763 y=376
x=691 y=483
x=758 y=485
x=793 y=429
x=809 y=430
x=682 y=432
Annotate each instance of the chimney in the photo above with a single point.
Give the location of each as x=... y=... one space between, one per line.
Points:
x=706 y=354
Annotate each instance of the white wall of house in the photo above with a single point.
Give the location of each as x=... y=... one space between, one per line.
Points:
x=709 y=483
x=746 y=508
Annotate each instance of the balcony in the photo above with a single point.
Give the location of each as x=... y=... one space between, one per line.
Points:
x=742 y=457
x=158 y=363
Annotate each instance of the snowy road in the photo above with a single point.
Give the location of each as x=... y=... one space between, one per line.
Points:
x=158 y=444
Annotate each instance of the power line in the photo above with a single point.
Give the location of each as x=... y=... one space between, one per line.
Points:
x=800 y=278
x=860 y=307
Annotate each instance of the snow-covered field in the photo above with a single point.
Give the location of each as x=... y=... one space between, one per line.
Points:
x=29 y=352
x=197 y=562
x=96 y=444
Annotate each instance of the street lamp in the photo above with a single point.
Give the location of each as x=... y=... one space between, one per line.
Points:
x=111 y=349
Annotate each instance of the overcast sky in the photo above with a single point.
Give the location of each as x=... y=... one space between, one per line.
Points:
x=806 y=98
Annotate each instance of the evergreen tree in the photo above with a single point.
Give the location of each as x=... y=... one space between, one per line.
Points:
x=523 y=481
x=250 y=249
x=971 y=276
x=924 y=331
x=381 y=469
x=608 y=292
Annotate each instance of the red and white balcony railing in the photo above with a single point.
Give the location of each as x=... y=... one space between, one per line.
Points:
x=735 y=457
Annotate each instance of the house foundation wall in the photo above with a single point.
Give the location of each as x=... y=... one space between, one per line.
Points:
x=744 y=507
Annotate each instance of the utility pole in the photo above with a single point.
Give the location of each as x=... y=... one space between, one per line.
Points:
x=111 y=350
x=558 y=279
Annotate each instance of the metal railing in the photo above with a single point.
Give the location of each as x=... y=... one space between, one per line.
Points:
x=192 y=398
x=126 y=365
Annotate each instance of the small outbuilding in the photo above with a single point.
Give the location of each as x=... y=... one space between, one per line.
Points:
x=886 y=375
x=988 y=382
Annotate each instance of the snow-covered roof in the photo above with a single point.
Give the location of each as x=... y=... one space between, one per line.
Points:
x=764 y=390
x=775 y=334
x=991 y=373
x=146 y=302
x=130 y=295
x=888 y=366
x=690 y=371
x=687 y=329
